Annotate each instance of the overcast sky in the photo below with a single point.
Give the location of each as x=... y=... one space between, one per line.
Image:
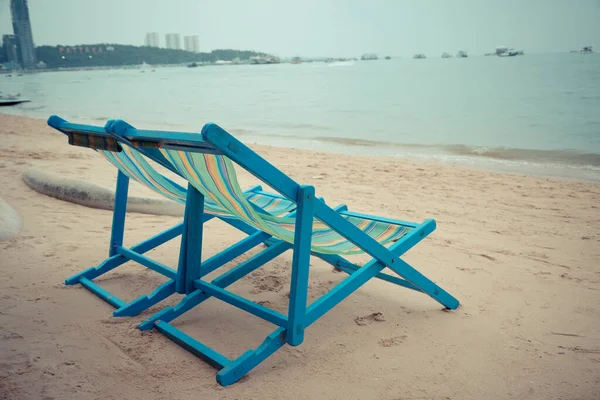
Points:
x=322 y=27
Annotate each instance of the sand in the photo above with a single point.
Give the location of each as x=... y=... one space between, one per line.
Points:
x=521 y=253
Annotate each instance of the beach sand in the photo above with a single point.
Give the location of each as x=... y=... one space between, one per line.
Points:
x=521 y=253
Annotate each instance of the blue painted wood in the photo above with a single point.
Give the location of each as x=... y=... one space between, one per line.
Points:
x=156 y=240
x=170 y=313
x=116 y=129
x=350 y=269
x=349 y=285
x=112 y=262
x=91 y=273
x=346 y=266
x=193 y=249
x=119 y=210
x=184 y=140
x=265 y=313
x=65 y=127
x=380 y=219
x=147 y=262
x=232 y=252
x=380 y=253
x=142 y=303
x=199 y=349
x=103 y=294
x=250 y=359
x=300 y=265
x=198 y=296
x=253 y=263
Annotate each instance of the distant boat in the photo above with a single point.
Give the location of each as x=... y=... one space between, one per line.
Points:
x=4 y=103
x=259 y=60
x=418 y=56
x=461 y=54
x=369 y=56
x=296 y=60
x=586 y=50
x=192 y=65
x=388 y=57
x=446 y=55
x=503 y=51
x=11 y=100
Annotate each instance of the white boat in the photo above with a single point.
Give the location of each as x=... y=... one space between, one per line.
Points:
x=419 y=56
x=586 y=50
x=501 y=50
x=461 y=54
x=264 y=60
x=446 y=55
x=369 y=56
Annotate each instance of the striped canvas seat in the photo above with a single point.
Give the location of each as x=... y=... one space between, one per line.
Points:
x=215 y=177
x=133 y=164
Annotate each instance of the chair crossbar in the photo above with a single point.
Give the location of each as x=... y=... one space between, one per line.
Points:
x=102 y=293
x=147 y=262
x=242 y=303
x=192 y=345
x=228 y=278
x=380 y=219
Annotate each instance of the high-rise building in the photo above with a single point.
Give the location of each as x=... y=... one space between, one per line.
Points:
x=11 y=48
x=22 y=30
x=191 y=43
x=151 y=39
x=172 y=41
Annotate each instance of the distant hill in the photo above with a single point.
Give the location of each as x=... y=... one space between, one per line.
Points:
x=101 y=55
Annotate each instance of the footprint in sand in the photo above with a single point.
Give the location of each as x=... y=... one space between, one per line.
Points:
x=367 y=319
x=269 y=283
x=391 y=342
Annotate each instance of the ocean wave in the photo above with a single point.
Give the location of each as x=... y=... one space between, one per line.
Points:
x=559 y=156
x=563 y=156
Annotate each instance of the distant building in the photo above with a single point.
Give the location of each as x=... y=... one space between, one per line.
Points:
x=22 y=30
x=152 y=39
x=10 y=46
x=191 y=43
x=172 y=41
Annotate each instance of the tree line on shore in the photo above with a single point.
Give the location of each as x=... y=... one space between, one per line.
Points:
x=108 y=55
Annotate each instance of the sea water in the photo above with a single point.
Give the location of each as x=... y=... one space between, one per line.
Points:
x=532 y=114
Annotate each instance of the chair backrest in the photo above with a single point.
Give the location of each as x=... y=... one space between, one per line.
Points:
x=134 y=164
x=206 y=161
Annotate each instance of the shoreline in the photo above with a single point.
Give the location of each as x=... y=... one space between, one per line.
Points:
x=477 y=160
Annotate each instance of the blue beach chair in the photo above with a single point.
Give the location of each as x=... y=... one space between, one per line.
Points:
x=207 y=161
x=131 y=164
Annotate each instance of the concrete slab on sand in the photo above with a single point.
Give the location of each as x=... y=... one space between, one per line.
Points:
x=94 y=196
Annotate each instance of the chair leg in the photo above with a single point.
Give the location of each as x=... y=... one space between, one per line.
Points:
x=142 y=303
x=239 y=367
x=300 y=266
x=119 y=211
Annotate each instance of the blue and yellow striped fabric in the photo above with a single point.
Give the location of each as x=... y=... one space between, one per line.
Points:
x=133 y=164
x=214 y=176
